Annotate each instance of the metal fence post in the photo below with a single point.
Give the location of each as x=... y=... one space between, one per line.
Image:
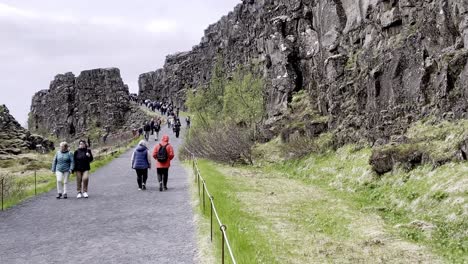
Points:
x=211 y=217
x=222 y=243
x=198 y=180
x=204 y=196
x=2 y=193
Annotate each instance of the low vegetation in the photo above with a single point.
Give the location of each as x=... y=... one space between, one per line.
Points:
x=226 y=115
x=331 y=206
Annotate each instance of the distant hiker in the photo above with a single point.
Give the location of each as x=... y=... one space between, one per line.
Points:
x=177 y=111
x=104 y=138
x=177 y=126
x=83 y=157
x=140 y=131
x=62 y=166
x=141 y=162
x=147 y=129
x=152 y=126
x=187 y=120
x=157 y=128
x=163 y=153
x=170 y=121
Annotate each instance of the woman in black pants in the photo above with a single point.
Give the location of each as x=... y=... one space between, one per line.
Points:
x=141 y=162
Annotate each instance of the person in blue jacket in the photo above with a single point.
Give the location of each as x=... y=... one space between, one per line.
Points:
x=141 y=162
x=62 y=166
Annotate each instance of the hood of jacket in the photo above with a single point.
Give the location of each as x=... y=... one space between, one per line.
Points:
x=141 y=148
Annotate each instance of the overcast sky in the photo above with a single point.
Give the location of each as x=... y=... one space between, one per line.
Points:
x=39 y=39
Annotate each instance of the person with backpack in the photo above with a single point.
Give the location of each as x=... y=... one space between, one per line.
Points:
x=163 y=153
x=82 y=157
x=63 y=165
x=141 y=162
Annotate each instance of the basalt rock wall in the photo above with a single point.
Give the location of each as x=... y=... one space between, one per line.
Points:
x=14 y=139
x=372 y=66
x=72 y=105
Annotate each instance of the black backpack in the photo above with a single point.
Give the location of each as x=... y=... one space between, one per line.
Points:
x=162 y=153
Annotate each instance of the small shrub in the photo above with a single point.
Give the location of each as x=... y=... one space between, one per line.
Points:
x=224 y=143
x=439 y=195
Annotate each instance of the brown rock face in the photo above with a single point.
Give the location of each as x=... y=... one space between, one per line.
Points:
x=372 y=66
x=14 y=138
x=96 y=98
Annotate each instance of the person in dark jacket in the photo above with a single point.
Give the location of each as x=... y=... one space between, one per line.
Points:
x=147 y=129
x=177 y=126
x=141 y=162
x=83 y=157
x=152 y=126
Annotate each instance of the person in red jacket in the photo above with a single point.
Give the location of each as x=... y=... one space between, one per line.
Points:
x=163 y=153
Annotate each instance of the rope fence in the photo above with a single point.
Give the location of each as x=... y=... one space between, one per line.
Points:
x=203 y=193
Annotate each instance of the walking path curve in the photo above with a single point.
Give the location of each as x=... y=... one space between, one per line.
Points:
x=116 y=224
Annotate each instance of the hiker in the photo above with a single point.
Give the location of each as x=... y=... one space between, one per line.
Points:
x=152 y=126
x=82 y=157
x=177 y=126
x=62 y=166
x=170 y=119
x=147 y=129
x=141 y=162
x=157 y=128
x=163 y=153
x=187 y=120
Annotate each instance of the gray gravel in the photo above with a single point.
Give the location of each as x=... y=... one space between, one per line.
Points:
x=117 y=224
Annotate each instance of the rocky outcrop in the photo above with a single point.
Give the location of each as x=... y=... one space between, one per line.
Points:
x=372 y=66
x=14 y=139
x=95 y=99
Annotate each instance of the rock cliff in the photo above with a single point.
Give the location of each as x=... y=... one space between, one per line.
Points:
x=95 y=99
x=14 y=138
x=372 y=66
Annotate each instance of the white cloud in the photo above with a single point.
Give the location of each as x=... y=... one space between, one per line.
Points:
x=161 y=26
x=10 y=11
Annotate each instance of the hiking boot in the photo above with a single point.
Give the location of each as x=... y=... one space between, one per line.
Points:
x=65 y=196
x=59 y=196
x=85 y=195
x=79 y=196
x=144 y=187
x=160 y=187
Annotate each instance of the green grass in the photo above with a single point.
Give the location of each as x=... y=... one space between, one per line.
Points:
x=23 y=186
x=278 y=215
x=437 y=197
x=241 y=226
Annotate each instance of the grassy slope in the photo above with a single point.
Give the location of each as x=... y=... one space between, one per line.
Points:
x=331 y=207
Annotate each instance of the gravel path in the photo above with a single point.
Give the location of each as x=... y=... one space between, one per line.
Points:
x=117 y=224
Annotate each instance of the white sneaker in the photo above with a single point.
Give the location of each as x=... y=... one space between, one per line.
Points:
x=139 y=189
x=85 y=195
x=78 y=196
